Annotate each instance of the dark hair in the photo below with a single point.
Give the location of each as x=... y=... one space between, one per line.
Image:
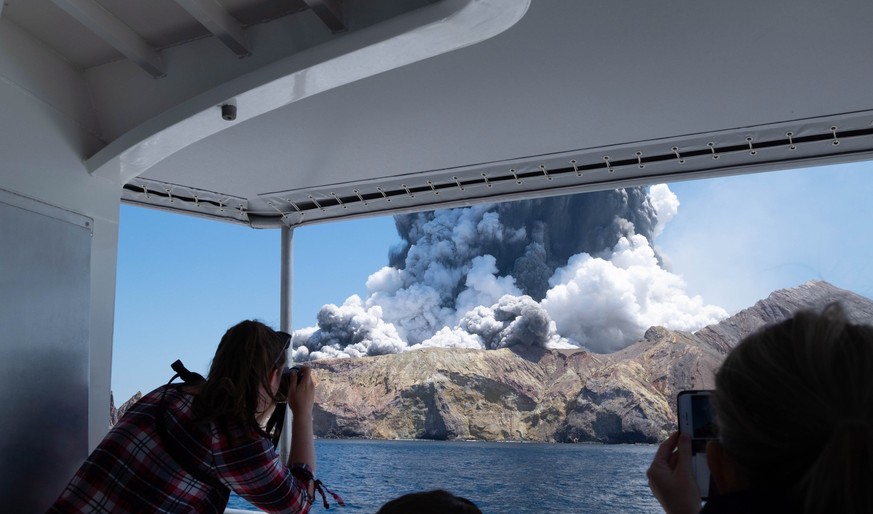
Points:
x=430 y=502
x=794 y=404
x=247 y=354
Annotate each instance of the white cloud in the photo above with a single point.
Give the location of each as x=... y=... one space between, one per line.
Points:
x=484 y=287
x=666 y=205
x=606 y=303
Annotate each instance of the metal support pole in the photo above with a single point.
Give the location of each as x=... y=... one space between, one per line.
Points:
x=287 y=279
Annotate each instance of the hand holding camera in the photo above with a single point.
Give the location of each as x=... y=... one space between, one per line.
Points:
x=299 y=382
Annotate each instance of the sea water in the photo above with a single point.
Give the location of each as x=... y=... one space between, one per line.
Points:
x=499 y=477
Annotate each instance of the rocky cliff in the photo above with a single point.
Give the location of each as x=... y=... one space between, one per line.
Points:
x=545 y=395
x=779 y=306
x=116 y=414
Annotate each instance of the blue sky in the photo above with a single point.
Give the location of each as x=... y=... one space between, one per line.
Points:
x=182 y=281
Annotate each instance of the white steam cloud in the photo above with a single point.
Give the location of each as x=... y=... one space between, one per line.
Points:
x=574 y=271
x=604 y=303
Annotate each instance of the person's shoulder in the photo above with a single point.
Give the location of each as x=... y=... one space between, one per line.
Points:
x=168 y=393
x=750 y=501
x=167 y=397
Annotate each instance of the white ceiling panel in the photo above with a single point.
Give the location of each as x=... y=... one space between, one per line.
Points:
x=421 y=104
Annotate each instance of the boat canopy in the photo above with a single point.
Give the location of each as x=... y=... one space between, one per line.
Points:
x=286 y=113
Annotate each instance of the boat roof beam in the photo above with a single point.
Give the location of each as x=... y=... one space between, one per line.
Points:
x=112 y=30
x=329 y=12
x=779 y=146
x=219 y=22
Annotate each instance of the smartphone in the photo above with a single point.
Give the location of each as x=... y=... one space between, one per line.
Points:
x=697 y=419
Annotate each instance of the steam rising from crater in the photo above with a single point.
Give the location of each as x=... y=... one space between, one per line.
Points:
x=569 y=271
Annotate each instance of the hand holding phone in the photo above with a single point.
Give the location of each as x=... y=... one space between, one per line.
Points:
x=696 y=418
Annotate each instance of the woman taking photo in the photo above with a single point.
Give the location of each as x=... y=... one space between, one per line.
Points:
x=184 y=447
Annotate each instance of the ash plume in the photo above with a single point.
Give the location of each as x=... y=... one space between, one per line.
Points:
x=578 y=270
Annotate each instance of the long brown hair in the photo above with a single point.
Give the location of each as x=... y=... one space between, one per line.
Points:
x=247 y=354
x=794 y=404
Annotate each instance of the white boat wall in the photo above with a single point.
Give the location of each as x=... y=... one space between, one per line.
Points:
x=278 y=113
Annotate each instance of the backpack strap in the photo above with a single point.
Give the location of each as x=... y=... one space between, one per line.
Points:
x=172 y=446
x=273 y=428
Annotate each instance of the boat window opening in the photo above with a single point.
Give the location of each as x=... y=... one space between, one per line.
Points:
x=726 y=242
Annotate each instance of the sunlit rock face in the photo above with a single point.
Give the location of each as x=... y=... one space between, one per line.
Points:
x=117 y=414
x=536 y=395
x=526 y=393
x=780 y=305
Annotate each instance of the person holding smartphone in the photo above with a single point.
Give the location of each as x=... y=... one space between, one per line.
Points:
x=794 y=412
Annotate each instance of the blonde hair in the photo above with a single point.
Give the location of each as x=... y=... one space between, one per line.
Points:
x=794 y=404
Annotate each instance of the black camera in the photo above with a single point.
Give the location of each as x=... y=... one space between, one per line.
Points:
x=287 y=375
x=277 y=419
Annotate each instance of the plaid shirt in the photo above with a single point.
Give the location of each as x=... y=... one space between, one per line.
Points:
x=130 y=471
